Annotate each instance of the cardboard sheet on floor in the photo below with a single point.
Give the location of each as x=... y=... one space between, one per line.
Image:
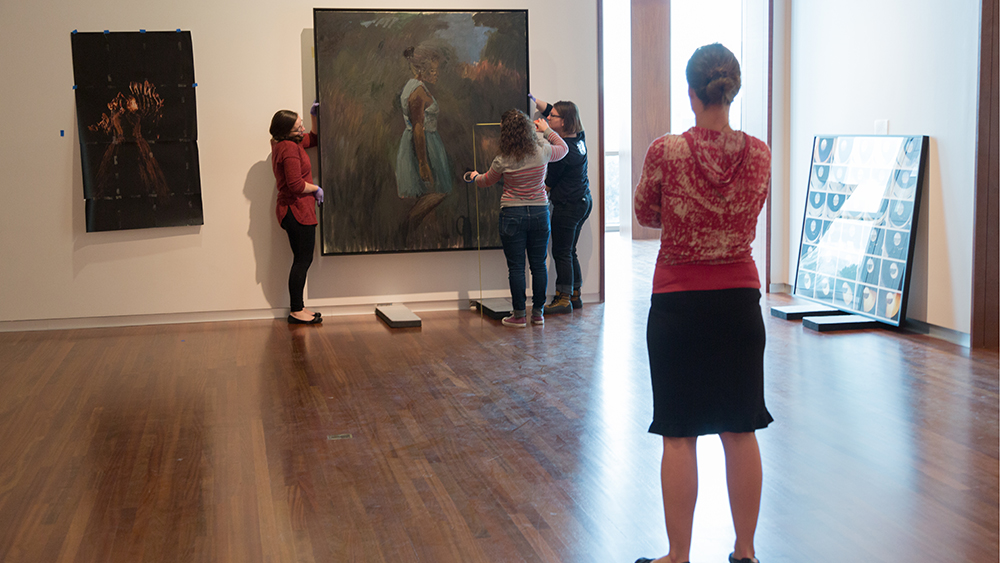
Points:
x=796 y=312
x=397 y=316
x=839 y=322
x=495 y=308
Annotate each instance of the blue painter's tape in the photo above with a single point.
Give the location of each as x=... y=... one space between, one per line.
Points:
x=74 y=86
x=195 y=85
x=178 y=30
x=142 y=31
x=106 y=32
x=73 y=32
x=62 y=132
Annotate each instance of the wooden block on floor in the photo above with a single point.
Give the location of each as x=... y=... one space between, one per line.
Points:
x=839 y=322
x=494 y=308
x=397 y=316
x=796 y=312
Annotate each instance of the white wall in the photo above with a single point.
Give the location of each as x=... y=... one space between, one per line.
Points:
x=780 y=140
x=251 y=58
x=915 y=63
x=753 y=105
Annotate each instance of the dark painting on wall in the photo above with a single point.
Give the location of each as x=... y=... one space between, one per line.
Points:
x=856 y=250
x=137 y=118
x=403 y=96
x=486 y=137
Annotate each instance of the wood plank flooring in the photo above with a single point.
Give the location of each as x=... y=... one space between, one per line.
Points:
x=466 y=441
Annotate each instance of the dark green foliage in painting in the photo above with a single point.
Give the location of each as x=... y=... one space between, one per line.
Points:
x=506 y=42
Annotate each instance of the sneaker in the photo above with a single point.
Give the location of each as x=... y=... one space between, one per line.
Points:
x=560 y=304
x=575 y=300
x=537 y=318
x=516 y=322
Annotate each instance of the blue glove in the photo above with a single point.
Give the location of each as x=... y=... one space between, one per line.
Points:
x=318 y=194
x=315 y=108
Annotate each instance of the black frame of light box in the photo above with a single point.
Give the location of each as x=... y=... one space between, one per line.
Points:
x=859 y=223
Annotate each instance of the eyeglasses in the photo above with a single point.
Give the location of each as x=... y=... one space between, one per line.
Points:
x=555 y=116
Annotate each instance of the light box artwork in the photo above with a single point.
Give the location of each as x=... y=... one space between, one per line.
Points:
x=860 y=218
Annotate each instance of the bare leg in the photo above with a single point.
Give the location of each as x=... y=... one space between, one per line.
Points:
x=743 y=477
x=679 y=481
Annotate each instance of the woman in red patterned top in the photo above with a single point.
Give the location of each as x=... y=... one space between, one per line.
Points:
x=705 y=334
x=524 y=206
x=297 y=198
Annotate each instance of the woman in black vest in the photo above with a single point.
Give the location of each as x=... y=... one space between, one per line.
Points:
x=569 y=194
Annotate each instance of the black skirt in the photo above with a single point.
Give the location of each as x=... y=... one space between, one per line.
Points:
x=706 y=361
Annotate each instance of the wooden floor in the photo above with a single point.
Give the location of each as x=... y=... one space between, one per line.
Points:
x=465 y=441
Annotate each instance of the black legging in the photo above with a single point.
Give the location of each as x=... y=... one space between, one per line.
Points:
x=303 y=241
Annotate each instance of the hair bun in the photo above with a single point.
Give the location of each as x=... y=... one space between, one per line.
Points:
x=408 y=53
x=714 y=74
x=722 y=89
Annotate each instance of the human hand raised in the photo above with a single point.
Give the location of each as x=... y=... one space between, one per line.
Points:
x=314 y=110
x=541 y=125
x=540 y=105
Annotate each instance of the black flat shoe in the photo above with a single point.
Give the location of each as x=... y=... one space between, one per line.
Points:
x=733 y=559
x=317 y=315
x=314 y=321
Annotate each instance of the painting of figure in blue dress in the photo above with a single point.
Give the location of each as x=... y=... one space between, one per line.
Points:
x=422 y=168
x=422 y=156
x=401 y=95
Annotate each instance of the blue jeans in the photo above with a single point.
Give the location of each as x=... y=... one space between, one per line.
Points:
x=567 y=222
x=525 y=230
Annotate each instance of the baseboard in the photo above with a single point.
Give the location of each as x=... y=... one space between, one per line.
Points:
x=141 y=320
x=32 y=325
x=940 y=332
x=779 y=288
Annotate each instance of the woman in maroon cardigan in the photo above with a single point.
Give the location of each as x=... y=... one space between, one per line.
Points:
x=297 y=198
x=705 y=334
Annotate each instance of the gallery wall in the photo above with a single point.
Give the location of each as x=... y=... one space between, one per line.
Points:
x=251 y=58
x=915 y=63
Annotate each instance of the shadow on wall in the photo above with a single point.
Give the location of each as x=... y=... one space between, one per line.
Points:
x=931 y=202
x=271 y=251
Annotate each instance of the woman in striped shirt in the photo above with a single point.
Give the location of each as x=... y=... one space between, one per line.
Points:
x=524 y=206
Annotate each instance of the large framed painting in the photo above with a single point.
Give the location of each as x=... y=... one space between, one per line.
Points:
x=137 y=119
x=410 y=100
x=856 y=250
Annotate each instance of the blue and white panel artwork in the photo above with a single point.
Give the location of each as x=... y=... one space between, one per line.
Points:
x=856 y=250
